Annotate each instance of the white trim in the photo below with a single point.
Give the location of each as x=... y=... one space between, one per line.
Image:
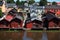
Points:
x=2 y=17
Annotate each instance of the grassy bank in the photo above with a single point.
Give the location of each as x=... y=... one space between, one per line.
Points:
x=30 y=31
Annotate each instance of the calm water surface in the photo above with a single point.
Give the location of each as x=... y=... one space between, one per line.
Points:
x=24 y=35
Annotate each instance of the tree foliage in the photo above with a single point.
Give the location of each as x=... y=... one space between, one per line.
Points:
x=1 y=13
x=54 y=3
x=10 y=1
x=31 y=1
x=20 y=2
x=43 y=2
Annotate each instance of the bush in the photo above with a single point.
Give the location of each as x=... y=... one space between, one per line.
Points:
x=1 y=13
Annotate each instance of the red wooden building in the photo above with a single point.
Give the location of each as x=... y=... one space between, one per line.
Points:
x=53 y=8
x=11 y=21
x=15 y=23
x=35 y=24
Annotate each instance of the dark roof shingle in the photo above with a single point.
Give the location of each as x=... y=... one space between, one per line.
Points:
x=52 y=7
x=11 y=5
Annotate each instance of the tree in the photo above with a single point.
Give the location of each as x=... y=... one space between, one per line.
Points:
x=1 y=13
x=20 y=2
x=10 y=1
x=31 y=1
x=43 y=2
x=54 y=3
x=17 y=2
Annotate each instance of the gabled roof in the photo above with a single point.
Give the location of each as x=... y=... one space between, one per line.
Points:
x=58 y=13
x=11 y=5
x=4 y=22
x=16 y=20
x=52 y=7
x=21 y=6
x=49 y=16
x=19 y=15
x=13 y=11
x=36 y=21
x=9 y=17
x=58 y=3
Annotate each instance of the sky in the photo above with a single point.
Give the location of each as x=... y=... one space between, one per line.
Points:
x=47 y=0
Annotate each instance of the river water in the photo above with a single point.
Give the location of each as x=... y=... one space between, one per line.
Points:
x=24 y=35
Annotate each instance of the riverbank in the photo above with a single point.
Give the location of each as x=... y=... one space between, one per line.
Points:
x=21 y=35
x=29 y=30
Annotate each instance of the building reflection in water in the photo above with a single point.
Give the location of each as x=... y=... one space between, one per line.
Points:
x=25 y=36
x=34 y=36
x=44 y=36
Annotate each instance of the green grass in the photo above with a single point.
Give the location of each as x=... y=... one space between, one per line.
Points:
x=32 y=31
x=44 y=31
